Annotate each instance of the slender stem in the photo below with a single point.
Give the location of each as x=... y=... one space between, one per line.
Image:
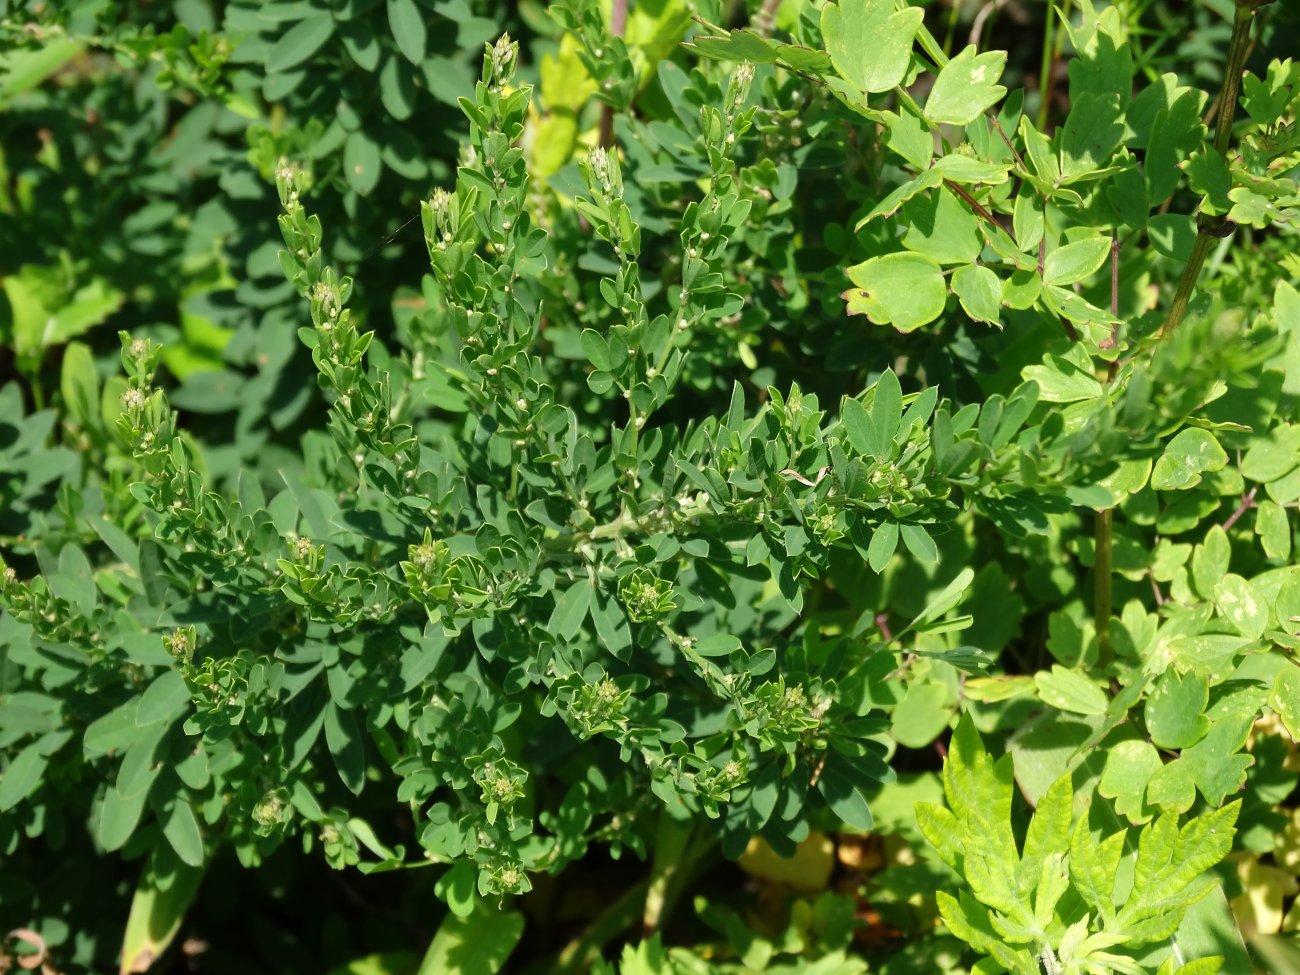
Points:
x=1044 y=69
x=1104 y=523
x=1247 y=502
x=931 y=47
x=1101 y=593
x=765 y=20
x=617 y=23
x=1237 y=51
x=1209 y=230
x=1186 y=284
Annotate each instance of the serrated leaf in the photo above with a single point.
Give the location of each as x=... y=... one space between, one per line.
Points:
x=1049 y=829
x=941 y=830
x=979 y=791
x=1093 y=867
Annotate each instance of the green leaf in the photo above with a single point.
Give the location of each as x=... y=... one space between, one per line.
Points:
x=1049 y=830
x=941 y=830
x=919 y=543
x=361 y=44
x=1175 y=710
x=1273 y=456
x=407 y=25
x=979 y=790
x=397 y=89
x=181 y=828
x=910 y=138
x=361 y=162
x=80 y=385
x=1093 y=867
x=1209 y=939
x=1168 y=871
x=858 y=427
x=844 y=797
x=1273 y=527
x=903 y=290
x=166 y=699
x=980 y=292
x=1091 y=135
x=1074 y=262
x=1241 y=606
x=571 y=610
x=869 y=41
x=886 y=412
x=456 y=887
x=1283 y=698
x=118 y=817
x=1069 y=690
x=941 y=227
x=1190 y=454
x=22 y=776
x=922 y=715
x=1129 y=767
x=966 y=87
x=596 y=349
x=300 y=42
x=343 y=735
x=1210 y=561
x=884 y=540
x=1063 y=380
x=739 y=45
x=25 y=69
x=477 y=944
x=162 y=897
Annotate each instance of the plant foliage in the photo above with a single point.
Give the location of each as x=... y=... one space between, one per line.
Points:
x=750 y=407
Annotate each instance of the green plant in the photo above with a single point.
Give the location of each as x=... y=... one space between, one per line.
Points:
x=1060 y=903
x=766 y=412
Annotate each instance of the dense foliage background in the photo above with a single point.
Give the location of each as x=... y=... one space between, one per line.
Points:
x=700 y=486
